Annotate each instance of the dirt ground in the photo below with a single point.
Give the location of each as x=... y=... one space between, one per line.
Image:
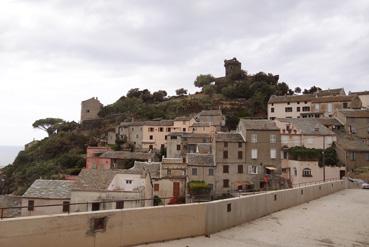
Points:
x=340 y=219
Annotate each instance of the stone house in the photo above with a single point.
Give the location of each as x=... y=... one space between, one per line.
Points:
x=352 y=151
x=171 y=183
x=101 y=189
x=364 y=97
x=179 y=144
x=320 y=104
x=356 y=122
x=232 y=171
x=212 y=117
x=47 y=192
x=309 y=133
x=202 y=167
x=263 y=151
x=303 y=171
x=90 y=109
x=151 y=135
x=289 y=106
x=94 y=159
x=327 y=106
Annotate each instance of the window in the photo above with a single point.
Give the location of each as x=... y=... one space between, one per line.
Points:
x=317 y=107
x=240 y=144
x=285 y=154
x=305 y=102
x=65 y=206
x=98 y=224
x=184 y=129
x=225 y=154
x=306 y=172
x=330 y=107
x=240 y=155
x=273 y=153
x=151 y=137
x=288 y=109
x=151 y=129
x=298 y=102
x=306 y=108
x=178 y=147
x=272 y=109
x=284 y=139
x=254 y=138
x=273 y=138
x=253 y=169
x=95 y=206
x=161 y=129
x=288 y=103
x=194 y=171
x=156 y=187
x=345 y=105
x=173 y=137
x=128 y=181
x=119 y=204
x=225 y=144
x=136 y=136
x=151 y=147
x=295 y=171
x=226 y=169
x=298 y=108
x=31 y=205
x=226 y=183
x=211 y=172
x=240 y=168
x=168 y=129
x=254 y=153
x=352 y=156
x=169 y=172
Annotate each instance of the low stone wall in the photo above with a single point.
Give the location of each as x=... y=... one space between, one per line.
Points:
x=7 y=201
x=128 y=227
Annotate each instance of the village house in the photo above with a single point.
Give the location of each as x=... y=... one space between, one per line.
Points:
x=93 y=159
x=90 y=109
x=231 y=172
x=328 y=105
x=307 y=133
x=170 y=185
x=47 y=192
x=352 y=151
x=364 y=97
x=323 y=103
x=100 y=189
x=151 y=135
x=179 y=144
x=356 y=122
x=262 y=152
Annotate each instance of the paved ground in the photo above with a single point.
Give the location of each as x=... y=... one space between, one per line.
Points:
x=341 y=219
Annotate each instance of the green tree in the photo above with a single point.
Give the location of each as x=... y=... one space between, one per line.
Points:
x=330 y=156
x=204 y=80
x=181 y=91
x=50 y=125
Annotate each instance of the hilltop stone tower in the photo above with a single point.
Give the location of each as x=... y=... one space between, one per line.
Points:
x=90 y=108
x=232 y=68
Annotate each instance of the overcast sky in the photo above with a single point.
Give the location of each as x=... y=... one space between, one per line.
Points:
x=55 y=53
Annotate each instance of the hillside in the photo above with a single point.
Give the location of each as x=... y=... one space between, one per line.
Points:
x=62 y=153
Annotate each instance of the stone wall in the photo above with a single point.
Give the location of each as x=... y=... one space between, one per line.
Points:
x=127 y=227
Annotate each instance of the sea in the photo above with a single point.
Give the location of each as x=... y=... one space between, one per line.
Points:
x=8 y=154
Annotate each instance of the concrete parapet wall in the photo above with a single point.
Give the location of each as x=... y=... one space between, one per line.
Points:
x=143 y=225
